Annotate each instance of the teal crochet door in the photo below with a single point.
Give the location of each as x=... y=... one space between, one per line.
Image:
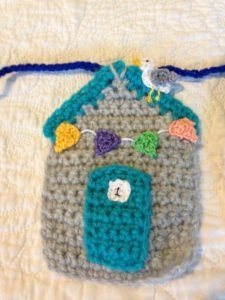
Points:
x=117 y=217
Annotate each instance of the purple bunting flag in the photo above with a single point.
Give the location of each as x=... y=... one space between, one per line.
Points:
x=105 y=141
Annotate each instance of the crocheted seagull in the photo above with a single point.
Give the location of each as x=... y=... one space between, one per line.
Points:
x=160 y=79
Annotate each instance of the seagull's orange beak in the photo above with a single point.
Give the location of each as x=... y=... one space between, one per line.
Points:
x=137 y=61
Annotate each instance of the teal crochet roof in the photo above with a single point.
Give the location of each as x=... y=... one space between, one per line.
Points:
x=91 y=93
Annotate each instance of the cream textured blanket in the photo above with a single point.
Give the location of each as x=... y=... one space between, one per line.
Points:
x=189 y=34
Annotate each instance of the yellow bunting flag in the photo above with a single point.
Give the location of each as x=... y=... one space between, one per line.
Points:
x=67 y=135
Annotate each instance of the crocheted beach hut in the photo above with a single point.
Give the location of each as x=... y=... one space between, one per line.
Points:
x=121 y=205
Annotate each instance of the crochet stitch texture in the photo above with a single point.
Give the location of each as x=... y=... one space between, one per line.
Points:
x=66 y=136
x=173 y=235
x=115 y=233
x=106 y=141
x=147 y=143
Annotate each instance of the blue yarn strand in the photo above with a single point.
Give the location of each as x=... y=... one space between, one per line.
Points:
x=93 y=67
x=78 y=65
x=197 y=74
